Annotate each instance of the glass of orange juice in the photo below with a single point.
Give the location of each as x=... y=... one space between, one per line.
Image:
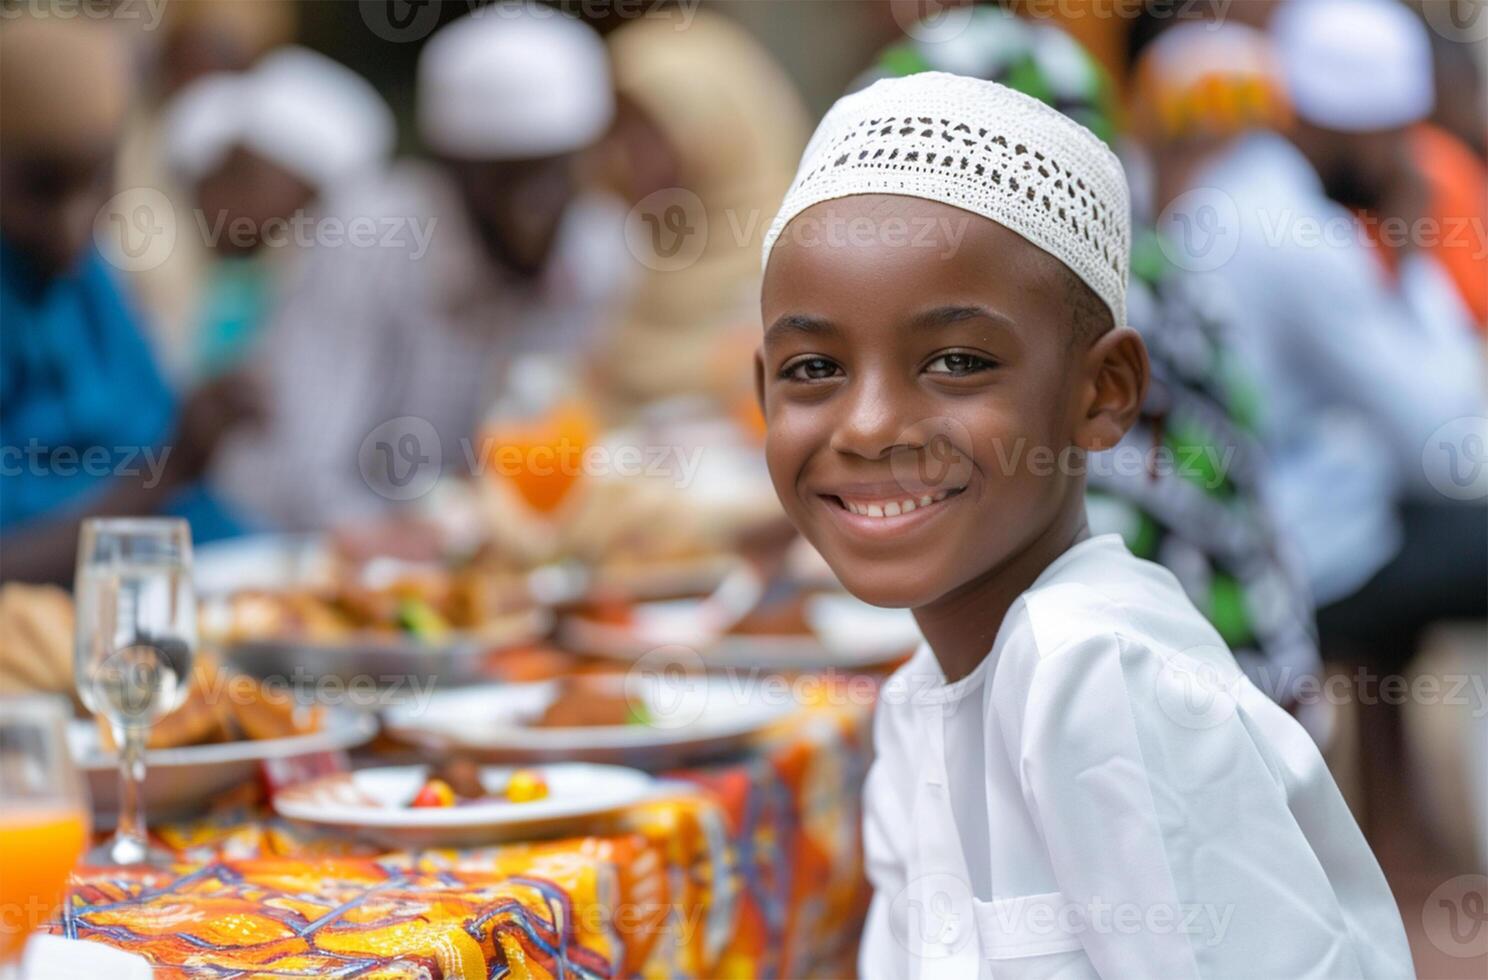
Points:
x=537 y=435
x=43 y=818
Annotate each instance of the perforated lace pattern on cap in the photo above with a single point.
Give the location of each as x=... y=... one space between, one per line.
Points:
x=982 y=147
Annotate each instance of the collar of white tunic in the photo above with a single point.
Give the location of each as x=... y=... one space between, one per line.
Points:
x=925 y=681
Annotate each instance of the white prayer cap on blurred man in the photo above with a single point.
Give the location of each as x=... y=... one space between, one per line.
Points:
x=1355 y=65
x=316 y=118
x=513 y=81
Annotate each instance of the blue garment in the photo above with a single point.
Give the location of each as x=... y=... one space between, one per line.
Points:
x=234 y=309
x=81 y=398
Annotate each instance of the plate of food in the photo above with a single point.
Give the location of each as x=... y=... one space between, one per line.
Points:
x=461 y=803
x=395 y=625
x=748 y=624
x=228 y=725
x=650 y=719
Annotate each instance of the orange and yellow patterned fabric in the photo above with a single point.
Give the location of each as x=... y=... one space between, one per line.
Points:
x=753 y=868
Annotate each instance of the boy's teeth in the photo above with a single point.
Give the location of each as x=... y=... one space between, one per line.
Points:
x=894 y=507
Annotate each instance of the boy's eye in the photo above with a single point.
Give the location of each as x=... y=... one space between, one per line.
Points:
x=958 y=365
x=810 y=369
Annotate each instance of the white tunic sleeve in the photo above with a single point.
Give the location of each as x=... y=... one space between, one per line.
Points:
x=1168 y=819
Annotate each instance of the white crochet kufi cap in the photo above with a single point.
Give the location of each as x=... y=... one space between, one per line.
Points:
x=984 y=148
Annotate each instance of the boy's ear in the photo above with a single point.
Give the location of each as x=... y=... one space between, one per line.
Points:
x=1116 y=373
x=759 y=379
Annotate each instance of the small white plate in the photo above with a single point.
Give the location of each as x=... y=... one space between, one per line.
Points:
x=693 y=716
x=374 y=803
x=181 y=779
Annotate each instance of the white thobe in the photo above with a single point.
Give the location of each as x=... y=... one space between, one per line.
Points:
x=1106 y=795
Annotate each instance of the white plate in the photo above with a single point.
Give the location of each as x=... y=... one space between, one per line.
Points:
x=373 y=803
x=181 y=779
x=848 y=634
x=55 y=958
x=261 y=561
x=693 y=716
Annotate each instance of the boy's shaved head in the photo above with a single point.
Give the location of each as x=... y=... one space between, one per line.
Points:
x=1089 y=316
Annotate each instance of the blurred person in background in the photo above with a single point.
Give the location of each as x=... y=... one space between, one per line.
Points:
x=1358 y=366
x=1447 y=152
x=1206 y=520
x=490 y=250
x=256 y=150
x=196 y=38
x=89 y=425
x=710 y=121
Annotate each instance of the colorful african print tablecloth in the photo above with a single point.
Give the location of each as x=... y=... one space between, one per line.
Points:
x=752 y=869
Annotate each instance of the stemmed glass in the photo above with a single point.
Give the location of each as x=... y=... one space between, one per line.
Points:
x=136 y=638
x=43 y=820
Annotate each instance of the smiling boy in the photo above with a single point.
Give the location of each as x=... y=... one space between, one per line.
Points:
x=1072 y=777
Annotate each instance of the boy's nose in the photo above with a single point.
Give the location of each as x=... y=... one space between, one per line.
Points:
x=873 y=423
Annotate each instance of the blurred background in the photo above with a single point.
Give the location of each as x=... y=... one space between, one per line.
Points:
x=457 y=283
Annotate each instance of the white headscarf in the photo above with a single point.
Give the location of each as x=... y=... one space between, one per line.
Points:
x=513 y=81
x=1355 y=65
x=310 y=115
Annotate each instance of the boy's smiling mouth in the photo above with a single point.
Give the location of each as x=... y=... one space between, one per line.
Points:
x=884 y=509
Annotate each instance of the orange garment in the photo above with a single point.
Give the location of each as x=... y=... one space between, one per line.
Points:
x=1459 y=202
x=1455 y=222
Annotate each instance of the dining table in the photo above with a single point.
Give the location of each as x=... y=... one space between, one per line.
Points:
x=744 y=866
